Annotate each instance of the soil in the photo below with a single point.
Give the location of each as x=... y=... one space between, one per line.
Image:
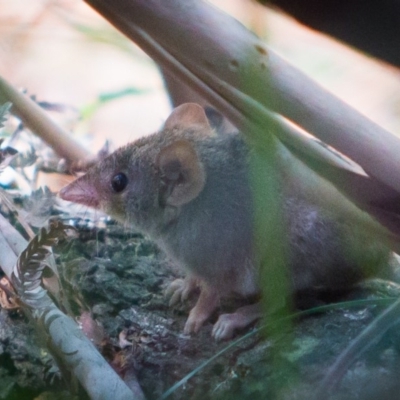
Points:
x=117 y=279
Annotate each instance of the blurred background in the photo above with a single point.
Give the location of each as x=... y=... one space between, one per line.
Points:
x=62 y=52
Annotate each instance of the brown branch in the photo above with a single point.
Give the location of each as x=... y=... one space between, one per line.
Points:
x=37 y=120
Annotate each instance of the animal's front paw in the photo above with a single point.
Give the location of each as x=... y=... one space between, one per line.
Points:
x=225 y=327
x=195 y=321
x=205 y=306
x=227 y=324
x=180 y=289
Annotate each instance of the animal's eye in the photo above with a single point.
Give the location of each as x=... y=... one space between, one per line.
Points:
x=119 y=182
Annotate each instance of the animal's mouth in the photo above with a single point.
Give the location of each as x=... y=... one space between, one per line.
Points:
x=77 y=194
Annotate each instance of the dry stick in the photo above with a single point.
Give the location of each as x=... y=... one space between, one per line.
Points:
x=36 y=119
x=227 y=102
x=76 y=351
x=230 y=101
x=210 y=43
x=367 y=192
x=179 y=92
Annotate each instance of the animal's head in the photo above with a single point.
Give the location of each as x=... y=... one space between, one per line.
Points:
x=139 y=181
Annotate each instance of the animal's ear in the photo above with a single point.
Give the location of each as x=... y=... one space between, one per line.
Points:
x=182 y=173
x=187 y=115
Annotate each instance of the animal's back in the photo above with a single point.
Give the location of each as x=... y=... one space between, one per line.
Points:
x=327 y=252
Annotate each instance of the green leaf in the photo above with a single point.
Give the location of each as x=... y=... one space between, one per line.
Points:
x=104 y=98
